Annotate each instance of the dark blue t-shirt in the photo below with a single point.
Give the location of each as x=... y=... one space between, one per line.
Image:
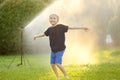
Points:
x=57 y=37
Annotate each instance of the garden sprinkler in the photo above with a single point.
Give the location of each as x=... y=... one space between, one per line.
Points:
x=21 y=50
x=21 y=46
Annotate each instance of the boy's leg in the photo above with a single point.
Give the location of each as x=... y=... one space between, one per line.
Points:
x=55 y=70
x=58 y=62
x=63 y=70
x=53 y=65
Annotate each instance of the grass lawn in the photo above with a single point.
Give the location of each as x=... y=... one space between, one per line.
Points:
x=39 y=68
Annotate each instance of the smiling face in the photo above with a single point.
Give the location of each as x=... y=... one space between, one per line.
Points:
x=53 y=19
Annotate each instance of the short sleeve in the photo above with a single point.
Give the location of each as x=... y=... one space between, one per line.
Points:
x=64 y=28
x=47 y=32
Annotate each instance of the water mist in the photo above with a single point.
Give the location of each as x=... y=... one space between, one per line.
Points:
x=81 y=45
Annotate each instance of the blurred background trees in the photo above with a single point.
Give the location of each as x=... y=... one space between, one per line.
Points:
x=106 y=15
x=17 y=13
x=13 y=15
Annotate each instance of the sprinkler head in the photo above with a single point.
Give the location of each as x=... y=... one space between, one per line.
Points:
x=21 y=28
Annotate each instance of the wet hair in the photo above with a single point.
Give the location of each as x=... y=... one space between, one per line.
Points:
x=55 y=15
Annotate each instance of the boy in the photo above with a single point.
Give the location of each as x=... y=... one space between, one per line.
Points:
x=56 y=35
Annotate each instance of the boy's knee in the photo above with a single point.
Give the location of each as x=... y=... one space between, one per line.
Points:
x=53 y=65
x=58 y=64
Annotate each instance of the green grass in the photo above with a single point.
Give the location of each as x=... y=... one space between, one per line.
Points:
x=39 y=68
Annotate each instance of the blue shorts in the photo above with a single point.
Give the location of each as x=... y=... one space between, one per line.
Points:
x=56 y=57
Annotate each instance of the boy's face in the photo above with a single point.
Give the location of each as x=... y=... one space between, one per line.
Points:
x=53 y=18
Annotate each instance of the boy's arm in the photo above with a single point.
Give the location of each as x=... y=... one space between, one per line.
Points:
x=74 y=27
x=39 y=36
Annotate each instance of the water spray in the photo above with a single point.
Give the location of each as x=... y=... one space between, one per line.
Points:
x=77 y=41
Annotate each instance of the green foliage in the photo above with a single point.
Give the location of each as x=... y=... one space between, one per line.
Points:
x=13 y=15
x=1 y=1
x=114 y=30
x=116 y=53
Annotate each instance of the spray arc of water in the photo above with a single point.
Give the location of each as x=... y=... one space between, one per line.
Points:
x=79 y=43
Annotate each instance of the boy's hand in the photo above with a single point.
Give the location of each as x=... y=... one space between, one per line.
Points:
x=38 y=36
x=86 y=29
x=35 y=37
